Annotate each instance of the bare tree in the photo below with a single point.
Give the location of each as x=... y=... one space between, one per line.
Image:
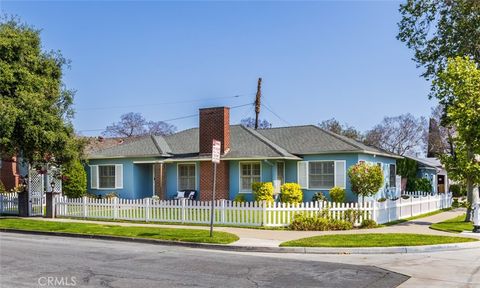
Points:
x=336 y=127
x=440 y=138
x=250 y=123
x=402 y=135
x=134 y=124
x=160 y=128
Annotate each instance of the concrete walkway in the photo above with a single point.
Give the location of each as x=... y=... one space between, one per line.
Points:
x=272 y=238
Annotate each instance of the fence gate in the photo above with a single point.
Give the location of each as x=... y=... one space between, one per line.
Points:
x=36 y=190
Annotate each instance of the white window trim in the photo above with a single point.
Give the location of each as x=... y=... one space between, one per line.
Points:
x=308 y=170
x=276 y=167
x=240 y=191
x=196 y=174
x=98 y=177
x=344 y=171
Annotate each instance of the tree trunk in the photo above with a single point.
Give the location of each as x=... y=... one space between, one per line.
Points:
x=472 y=198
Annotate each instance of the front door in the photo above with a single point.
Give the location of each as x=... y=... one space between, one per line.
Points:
x=441 y=183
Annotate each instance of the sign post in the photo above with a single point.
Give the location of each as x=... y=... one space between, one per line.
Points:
x=216 y=148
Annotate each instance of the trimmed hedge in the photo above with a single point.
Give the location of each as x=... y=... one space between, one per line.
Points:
x=291 y=193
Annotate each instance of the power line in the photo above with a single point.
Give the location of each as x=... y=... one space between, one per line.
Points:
x=164 y=103
x=285 y=121
x=168 y=120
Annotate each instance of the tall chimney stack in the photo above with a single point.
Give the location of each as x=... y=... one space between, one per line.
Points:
x=214 y=124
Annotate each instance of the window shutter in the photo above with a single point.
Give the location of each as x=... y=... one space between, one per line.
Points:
x=118 y=176
x=94 y=176
x=302 y=168
x=340 y=177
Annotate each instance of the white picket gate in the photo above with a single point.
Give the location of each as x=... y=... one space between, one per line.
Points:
x=9 y=203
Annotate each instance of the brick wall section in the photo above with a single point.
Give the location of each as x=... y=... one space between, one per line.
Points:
x=206 y=180
x=9 y=174
x=214 y=124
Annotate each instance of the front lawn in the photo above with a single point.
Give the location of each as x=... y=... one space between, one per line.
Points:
x=455 y=225
x=171 y=234
x=373 y=240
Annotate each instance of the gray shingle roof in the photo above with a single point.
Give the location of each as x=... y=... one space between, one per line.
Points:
x=284 y=142
x=140 y=147
x=311 y=139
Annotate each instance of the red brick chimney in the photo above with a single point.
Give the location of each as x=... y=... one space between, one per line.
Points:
x=214 y=124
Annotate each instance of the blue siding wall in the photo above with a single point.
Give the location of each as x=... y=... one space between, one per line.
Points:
x=172 y=185
x=350 y=159
x=137 y=178
x=266 y=167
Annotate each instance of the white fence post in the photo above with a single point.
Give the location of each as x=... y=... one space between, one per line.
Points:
x=264 y=213
x=115 y=208
x=85 y=210
x=183 y=210
x=222 y=211
x=146 y=203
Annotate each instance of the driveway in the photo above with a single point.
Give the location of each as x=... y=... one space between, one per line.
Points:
x=32 y=260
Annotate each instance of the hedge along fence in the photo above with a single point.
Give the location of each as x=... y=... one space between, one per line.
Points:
x=269 y=214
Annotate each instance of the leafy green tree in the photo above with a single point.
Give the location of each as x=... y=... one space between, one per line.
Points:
x=74 y=180
x=458 y=88
x=437 y=29
x=36 y=107
x=365 y=179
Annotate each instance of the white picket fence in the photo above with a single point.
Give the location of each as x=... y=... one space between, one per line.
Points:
x=417 y=193
x=242 y=214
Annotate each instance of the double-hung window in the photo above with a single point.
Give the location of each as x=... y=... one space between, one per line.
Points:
x=321 y=174
x=392 y=178
x=186 y=177
x=106 y=176
x=249 y=173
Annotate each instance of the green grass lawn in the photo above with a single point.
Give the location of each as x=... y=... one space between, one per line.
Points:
x=455 y=225
x=187 y=235
x=373 y=240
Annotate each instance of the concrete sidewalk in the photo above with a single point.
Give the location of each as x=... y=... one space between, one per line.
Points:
x=272 y=238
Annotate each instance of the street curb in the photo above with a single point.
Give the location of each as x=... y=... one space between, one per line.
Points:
x=230 y=247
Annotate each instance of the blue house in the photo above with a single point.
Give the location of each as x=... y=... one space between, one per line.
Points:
x=162 y=165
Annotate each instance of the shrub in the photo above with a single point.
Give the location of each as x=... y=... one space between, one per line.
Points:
x=419 y=184
x=368 y=223
x=2 y=188
x=405 y=197
x=302 y=222
x=423 y=185
x=319 y=197
x=291 y=193
x=366 y=179
x=263 y=191
x=240 y=198
x=458 y=190
x=383 y=199
x=74 y=182
x=353 y=215
x=110 y=195
x=337 y=194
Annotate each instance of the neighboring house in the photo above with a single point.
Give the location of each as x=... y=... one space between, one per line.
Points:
x=433 y=170
x=12 y=171
x=162 y=165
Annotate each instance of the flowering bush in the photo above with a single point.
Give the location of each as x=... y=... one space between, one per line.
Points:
x=291 y=193
x=337 y=194
x=317 y=222
x=319 y=197
x=366 y=179
x=263 y=191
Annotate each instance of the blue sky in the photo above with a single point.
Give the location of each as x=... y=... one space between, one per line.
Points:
x=318 y=60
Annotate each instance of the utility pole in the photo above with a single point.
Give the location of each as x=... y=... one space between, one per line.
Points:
x=257 y=101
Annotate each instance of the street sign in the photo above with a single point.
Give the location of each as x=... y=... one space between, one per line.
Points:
x=216 y=151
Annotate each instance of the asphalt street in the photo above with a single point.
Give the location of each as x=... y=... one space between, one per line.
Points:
x=50 y=261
